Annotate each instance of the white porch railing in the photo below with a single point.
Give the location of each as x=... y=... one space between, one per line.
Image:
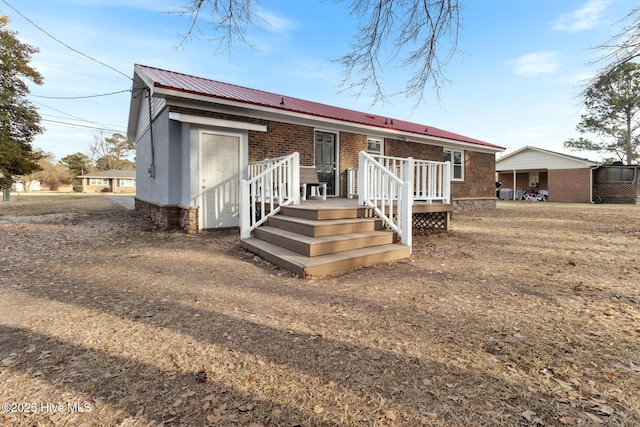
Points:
x=389 y=193
x=432 y=180
x=270 y=184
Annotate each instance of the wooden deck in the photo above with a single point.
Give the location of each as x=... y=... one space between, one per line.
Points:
x=338 y=202
x=326 y=237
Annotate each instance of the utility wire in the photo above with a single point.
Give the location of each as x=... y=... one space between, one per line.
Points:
x=98 y=125
x=55 y=116
x=58 y=122
x=63 y=43
x=81 y=97
x=62 y=112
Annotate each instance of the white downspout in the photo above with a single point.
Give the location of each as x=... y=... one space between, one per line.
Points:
x=591 y=169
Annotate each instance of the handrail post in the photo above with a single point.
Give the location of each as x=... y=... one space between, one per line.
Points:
x=245 y=209
x=407 y=202
x=295 y=178
x=363 y=183
x=447 y=182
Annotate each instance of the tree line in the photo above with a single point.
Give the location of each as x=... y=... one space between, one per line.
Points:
x=426 y=31
x=20 y=122
x=109 y=153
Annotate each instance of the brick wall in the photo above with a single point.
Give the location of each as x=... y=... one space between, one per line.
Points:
x=350 y=146
x=569 y=185
x=397 y=148
x=283 y=138
x=479 y=177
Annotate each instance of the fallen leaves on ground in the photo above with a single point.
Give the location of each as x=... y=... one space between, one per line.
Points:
x=523 y=315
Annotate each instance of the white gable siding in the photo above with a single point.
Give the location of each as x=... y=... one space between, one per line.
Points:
x=532 y=160
x=157 y=105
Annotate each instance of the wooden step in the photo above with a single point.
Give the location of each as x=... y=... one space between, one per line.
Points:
x=315 y=228
x=325 y=265
x=316 y=213
x=315 y=246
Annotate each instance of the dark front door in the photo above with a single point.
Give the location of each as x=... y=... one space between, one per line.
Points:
x=326 y=159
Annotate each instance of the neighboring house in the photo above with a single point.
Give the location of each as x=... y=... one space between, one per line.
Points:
x=195 y=138
x=111 y=181
x=530 y=169
x=19 y=186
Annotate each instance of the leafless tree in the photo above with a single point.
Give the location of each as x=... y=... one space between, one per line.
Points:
x=419 y=35
x=110 y=153
x=227 y=20
x=620 y=49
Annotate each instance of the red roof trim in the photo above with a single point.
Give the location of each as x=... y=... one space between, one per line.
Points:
x=193 y=85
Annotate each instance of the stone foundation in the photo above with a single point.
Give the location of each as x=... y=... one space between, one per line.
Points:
x=189 y=219
x=472 y=204
x=165 y=216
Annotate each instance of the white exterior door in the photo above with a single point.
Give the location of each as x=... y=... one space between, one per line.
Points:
x=219 y=180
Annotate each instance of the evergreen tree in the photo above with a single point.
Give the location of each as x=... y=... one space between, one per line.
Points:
x=613 y=113
x=19 y=119
x=77 y=163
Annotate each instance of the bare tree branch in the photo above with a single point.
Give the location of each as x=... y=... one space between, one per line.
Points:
x=227 y=20
x=620 y=49
x=423 y=36
x=420 y=35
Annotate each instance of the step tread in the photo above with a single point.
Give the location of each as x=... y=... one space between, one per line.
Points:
x=326 y=212
x=323 y=222
x=310 y=240
x=325 y=264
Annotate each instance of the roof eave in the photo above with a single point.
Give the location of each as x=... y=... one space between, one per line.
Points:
x=586 y=162
x=168 y=92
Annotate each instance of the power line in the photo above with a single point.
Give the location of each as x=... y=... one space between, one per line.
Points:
x=63 y=43
x=55 y=116
x=62 y=112
x=58 y=122
x=81 y=97
x=97 y=125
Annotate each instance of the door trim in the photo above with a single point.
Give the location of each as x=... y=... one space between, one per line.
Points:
x=336 y=154
x=243 y=148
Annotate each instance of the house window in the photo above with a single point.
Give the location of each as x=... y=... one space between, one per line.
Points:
x=98 y=181
x=534 y=179
x=126 y=182
x=374 y=147
x=456 y=157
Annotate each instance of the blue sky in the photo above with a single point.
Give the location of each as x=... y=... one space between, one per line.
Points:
x=514 y=82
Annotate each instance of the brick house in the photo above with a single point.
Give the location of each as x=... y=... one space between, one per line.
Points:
x=195 y=137
x=566 y=178
x=111 y=181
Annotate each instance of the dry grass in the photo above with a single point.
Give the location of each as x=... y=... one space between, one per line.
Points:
x=524 y=315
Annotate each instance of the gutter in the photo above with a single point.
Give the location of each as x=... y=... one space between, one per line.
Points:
x=591 y=169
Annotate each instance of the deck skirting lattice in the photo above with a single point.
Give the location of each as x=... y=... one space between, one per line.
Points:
x=430 y=221
x=426 y=221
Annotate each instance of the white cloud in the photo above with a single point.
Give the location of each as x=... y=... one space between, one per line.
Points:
x=274 y=22
x=582 y=19
x=537 y=63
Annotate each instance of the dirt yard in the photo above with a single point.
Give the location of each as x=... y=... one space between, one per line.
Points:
x=524 y=315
